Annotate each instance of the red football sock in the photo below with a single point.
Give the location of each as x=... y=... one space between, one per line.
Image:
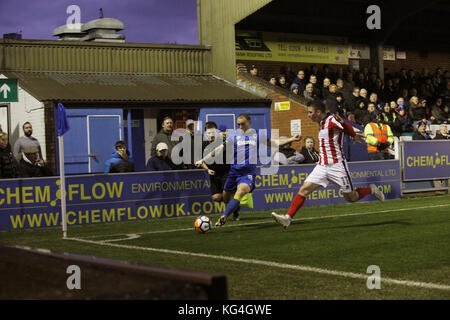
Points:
x=362 y=192
x=296 y=204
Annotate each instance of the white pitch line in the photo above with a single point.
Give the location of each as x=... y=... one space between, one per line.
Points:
x=270 y=221
x=272 y=264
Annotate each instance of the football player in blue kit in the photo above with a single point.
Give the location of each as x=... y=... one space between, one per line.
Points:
x=241 y=177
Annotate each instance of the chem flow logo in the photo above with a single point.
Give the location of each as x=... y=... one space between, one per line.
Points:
x=8 y=90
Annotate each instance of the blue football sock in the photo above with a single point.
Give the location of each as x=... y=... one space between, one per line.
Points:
x=232 y=206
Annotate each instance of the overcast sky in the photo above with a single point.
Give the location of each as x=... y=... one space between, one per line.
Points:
x=146 y=21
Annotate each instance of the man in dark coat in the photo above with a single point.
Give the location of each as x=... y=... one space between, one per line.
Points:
x=161 y=161
x=31 y=166
x=8 y=164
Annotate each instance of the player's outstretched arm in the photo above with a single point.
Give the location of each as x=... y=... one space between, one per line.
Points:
x=280 y=142
x=200 y=162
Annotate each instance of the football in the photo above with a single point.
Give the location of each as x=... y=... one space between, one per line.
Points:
x=202 y=224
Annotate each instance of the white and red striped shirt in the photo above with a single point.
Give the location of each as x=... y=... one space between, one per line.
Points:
x=331 y=137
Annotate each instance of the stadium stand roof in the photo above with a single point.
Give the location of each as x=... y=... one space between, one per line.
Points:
x=129 y=87
x=77 y=71
x=417 y=23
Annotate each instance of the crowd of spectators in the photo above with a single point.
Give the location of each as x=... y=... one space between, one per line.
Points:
x=404 y=99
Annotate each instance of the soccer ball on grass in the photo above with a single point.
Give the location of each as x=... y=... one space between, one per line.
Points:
x=202 y=224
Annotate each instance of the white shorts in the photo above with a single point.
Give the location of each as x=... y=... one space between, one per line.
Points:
x=337 y=173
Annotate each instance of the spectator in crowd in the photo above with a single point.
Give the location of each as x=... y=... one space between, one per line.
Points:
x=273 y=80
x=254 y=71
x=300 y=80
x=407 y=124
x=363 y=95
x=121 y=160
x=443 y=133
x=326 y=88
x=405 y=95
x=370 y=115
x=360 y=112
x=164 y=135
x=389 y=92
x=161 y=161
x=309 y=151
x=336 y=105
x=31 y=165
x=427 y=90
x=309 y=92
x=26 y=141
x=316 y=88
x=396 y=89
x=417 y=110
x=438 y=112
x=373 y=98
x=349 y=83
x=344 y=91
x=393 y=105
x=403 y=82
x=389 y=117
x=379 y=137
x=362 y=81
x=8 y=164
x=282 y=82
x=354 y=99
x=287 y=155
x=421 y=132
x=378 y=88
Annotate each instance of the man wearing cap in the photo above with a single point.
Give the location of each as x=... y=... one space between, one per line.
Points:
x=26 y=141
x=378 y=138
x=161 y=161
x=31 y=165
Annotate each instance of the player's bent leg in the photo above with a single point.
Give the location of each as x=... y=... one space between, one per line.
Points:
x=297 y=203
x=363 y=192
x=233 y=204
x=351 y=196
x=227 y=196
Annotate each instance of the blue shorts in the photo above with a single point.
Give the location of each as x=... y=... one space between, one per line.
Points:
x=234 y=180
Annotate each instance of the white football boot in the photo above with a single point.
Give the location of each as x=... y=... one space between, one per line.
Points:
x=377 y=193
x=284 y=220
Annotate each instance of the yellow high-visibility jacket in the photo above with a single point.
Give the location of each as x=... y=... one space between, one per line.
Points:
x=377 y=132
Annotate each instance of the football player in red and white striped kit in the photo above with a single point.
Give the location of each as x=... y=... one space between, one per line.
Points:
x=332 y=165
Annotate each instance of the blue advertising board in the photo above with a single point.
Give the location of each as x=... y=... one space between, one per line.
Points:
x=99 y=198
x=426 y=160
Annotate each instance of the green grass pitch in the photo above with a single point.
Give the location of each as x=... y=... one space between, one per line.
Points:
x=324 y=254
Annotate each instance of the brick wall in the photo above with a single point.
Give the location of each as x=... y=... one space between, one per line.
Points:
x=282 y=119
